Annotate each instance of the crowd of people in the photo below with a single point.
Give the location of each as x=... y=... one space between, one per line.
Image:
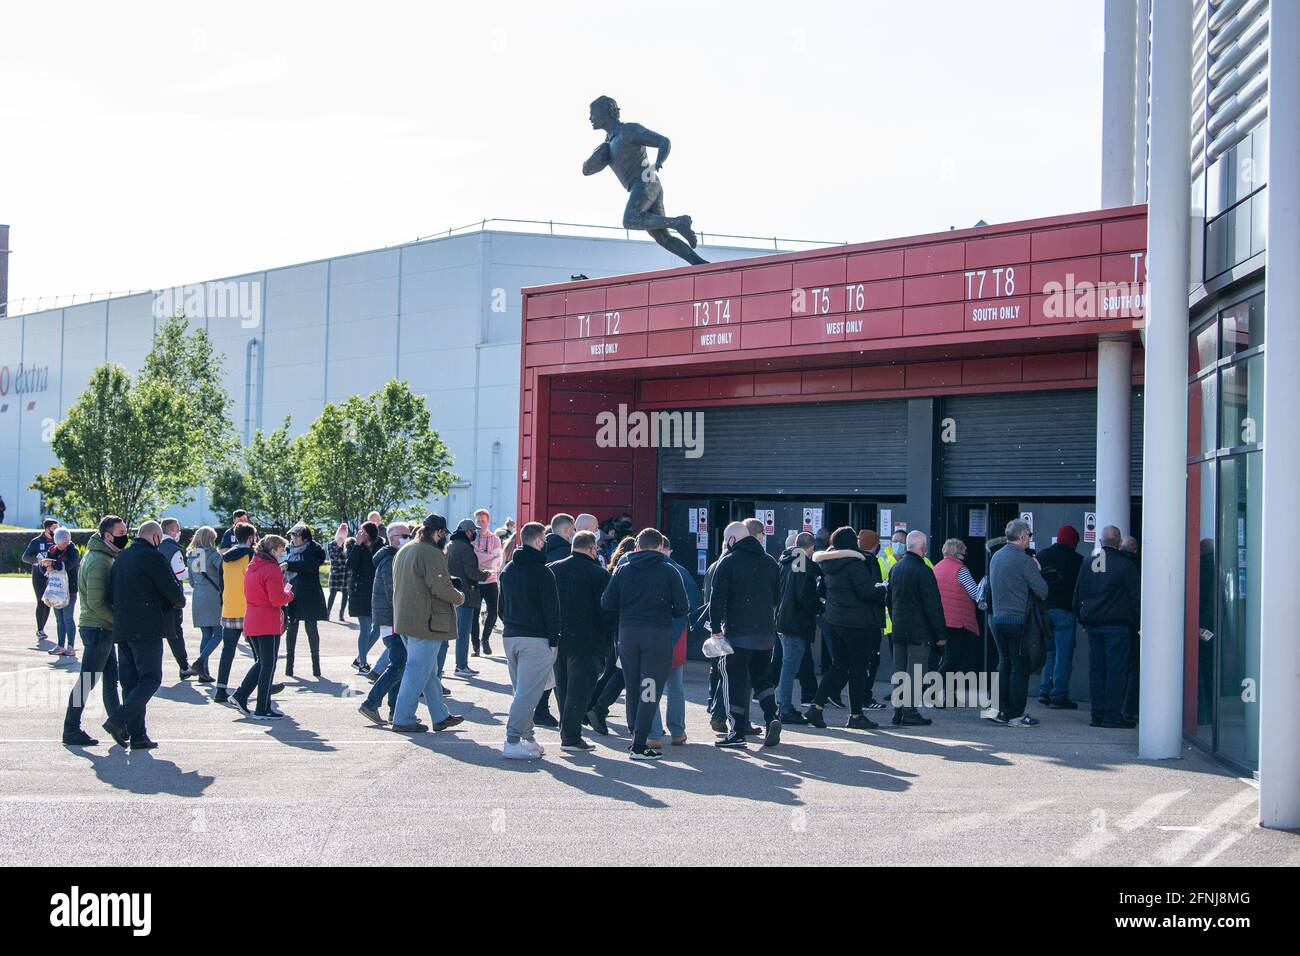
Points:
x=589 y=612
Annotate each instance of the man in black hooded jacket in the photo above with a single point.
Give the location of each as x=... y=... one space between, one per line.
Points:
x=646 y=593
x=746 y=589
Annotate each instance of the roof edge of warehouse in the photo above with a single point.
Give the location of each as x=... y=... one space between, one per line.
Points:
x=991 y=229
x=478 y=228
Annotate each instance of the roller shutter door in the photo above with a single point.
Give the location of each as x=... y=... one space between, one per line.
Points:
x=836 y=448
x=1028 y=445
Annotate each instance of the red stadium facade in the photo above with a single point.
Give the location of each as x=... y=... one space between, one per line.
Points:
x=1006 y=310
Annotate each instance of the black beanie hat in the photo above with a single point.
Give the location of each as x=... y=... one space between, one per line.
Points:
x=845 y=539
x=435 y=522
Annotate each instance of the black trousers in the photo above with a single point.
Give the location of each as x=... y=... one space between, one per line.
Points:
x=176 y=641
x=261 y=673
x=852 y=650
x=608 y=687
x=139 y=668
x=961 y=652
x=647 y=656
x=575 y=679
x=98 y=663
x=313 y=643
x=907 y=657
x=491 y=595
x=229 y=643
x=42 y=609
x=744 y=674
x=343 y=605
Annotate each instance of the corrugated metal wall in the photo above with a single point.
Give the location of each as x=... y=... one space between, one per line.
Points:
x=832 y=448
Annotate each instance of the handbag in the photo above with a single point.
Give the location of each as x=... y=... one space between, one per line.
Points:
x=56 y=589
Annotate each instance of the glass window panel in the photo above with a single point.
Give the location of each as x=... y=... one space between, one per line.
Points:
x=1259 y=156
x=1243 y=325
x=1200 y=608
x=1202 y=414
x=1241 y=400
x=1237 y=640
x=1203 y=348
x=1259 y=222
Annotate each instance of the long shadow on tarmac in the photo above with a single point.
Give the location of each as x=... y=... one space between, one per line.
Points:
x=141 y=772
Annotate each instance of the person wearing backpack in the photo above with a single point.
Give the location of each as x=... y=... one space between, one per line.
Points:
x=203 y=560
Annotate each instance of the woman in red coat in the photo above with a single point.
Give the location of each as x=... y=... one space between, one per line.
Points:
x=267 y=595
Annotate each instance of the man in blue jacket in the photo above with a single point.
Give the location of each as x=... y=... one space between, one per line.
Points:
x=647 y=594
x=675 y=690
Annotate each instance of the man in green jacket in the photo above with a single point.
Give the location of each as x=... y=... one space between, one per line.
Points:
x=424 y=600
x=96 y=624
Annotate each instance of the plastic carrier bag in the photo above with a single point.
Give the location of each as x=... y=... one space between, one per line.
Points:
x=56 y=589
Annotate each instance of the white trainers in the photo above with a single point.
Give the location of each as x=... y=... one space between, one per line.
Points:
x=519 y=751
x=537 y=749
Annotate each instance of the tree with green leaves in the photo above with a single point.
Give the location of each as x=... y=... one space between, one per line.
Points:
x=274 y=479
x=115 y=449
x=375 y=452
x=184 y=360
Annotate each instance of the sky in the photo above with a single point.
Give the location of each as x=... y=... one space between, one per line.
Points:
x=150 y=145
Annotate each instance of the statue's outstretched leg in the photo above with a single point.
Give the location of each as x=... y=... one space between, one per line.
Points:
x=676 y=246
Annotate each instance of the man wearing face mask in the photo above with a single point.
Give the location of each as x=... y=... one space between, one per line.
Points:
x=98 y=663
x=463 y=566
x=381 y=607
x=174 y=623
x=423 y=603
x=142 y=592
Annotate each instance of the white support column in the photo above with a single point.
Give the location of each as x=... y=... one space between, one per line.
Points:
x=1279 y=670
x=1114 y=394
x=1141 y=106
x=1164 y=451
x=1117 y=91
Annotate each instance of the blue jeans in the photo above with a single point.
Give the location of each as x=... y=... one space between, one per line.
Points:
x=675 y=692
x=464 y=624
x=420 y=677
x=385 y=658
x=210 y=641
x=65 y=619
x=793 y=648
x=1060 y=656
x=442 y=656
x=388 y=682
x=366 y=637
x=1108 y=649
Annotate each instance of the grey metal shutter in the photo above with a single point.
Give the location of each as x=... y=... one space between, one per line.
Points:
x=830 y=448
x=1029 y=445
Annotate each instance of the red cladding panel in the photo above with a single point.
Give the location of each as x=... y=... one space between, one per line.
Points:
x=997 y=313
x=1124 y=267
x=1061 y=367
x=1067 y=243
x=1064 y=272
x=761 y=308
x=660 y=344
x=828 y=380
x=997 y=251
x=817 y=300
x=875 y=265
x=584 y=300
x=1124 y=235
x=874 y=325
x=933 y=374
x=923 y=290
x=632 y=296
x=990 y=371
x=765 y=335
x=941 y=257
x=721 y=338
x=731 y=386
x=819 y=272
x=877 y=295
x=814 y=329
x=675 y=316
x=717 y=285
x=777 y=383
x=933 y=319
x=767 y=279
x=680 y=289
x=546 y=330
x=875 y=378
x=541 y=306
